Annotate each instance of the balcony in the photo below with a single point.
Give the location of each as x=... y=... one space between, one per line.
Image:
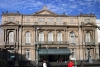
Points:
x=10 y=44
x=90 y=44
x=53 y=42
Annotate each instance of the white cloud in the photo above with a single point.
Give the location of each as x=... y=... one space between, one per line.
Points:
x=58 y=6
x=15 y=4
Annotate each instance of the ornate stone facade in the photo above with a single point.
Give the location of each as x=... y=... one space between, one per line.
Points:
x=77 y=33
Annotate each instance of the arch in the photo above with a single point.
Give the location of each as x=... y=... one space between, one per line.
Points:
x=87 y=36
x=28 y=37
x=59 y=36
x=41 y=36
x=50 y=36
x=11 y=36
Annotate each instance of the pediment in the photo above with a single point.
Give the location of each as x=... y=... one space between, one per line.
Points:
x=45 y=11
x=89 y=24
x=10 y=23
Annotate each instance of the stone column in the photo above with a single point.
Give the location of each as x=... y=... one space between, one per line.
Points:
x=93 y=53
x=45 y=36
x=3 y=40
x=96 y=37
x=64 y=35
x=5 y=35
x=17 y=36
x=20 y=36
x=83 y=37
x=34 y=36
x=79 y=40
x=93 y=35
x=55 y=39
x=68 y=36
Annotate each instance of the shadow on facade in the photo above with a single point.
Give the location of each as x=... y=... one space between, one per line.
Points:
x=14 y=59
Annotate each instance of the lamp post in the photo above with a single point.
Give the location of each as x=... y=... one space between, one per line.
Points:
x=37 y=47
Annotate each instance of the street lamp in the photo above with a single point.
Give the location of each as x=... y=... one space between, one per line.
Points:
x=37 y=47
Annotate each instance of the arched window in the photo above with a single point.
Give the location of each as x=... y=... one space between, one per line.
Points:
x=72 y=37
x=11 y=37
x=41 y=36
x=88 y=37
x=59 y=36
x=50 y=36
x=28 y=37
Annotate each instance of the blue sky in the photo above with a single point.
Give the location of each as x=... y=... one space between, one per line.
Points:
x=70 y=7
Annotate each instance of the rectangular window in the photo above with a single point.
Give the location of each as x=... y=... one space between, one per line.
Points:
x=28 y=37
x=88 y=37
x=87 y=20
x=11 y=18
x=41 y=19
x=59 y=19
x=73 y=53
x=50 y=36
x=59 y=37
x=11 y=37
x=72 y=37
x=41 y=36
x=27 y=54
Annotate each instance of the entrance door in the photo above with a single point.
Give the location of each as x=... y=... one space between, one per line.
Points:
x=54 y=58
x=51 y=58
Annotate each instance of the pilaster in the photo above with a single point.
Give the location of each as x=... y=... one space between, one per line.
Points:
x=55 y=38
x=45 y=35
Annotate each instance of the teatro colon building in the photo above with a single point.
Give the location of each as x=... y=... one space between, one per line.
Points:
x=47 y=35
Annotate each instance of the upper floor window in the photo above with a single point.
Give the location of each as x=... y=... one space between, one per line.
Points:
x=59 y=36
x=71 y=20
x=28 y=37
x=41 y=19
x=59 y=19
x=11 y=37
x=41 y=36
x=72 y=37
x=87 y=36
x=27 y=54
x=50 y=19
x=11 y=18
x=28 y=19
x=50 y=36
x=87 y=20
